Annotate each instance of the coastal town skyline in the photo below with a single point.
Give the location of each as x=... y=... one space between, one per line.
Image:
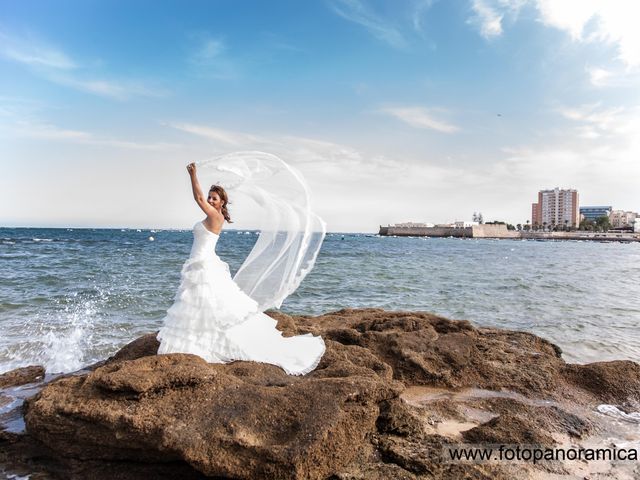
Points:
x=557 y=206
x=391 y=111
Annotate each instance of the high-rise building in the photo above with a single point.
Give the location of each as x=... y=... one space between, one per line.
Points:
x=556 y=207
x=535 y=214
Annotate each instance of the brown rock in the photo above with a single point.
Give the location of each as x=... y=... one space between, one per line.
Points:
x=248 y=421
x=22 y=376
x=508 y=429
x=425 y=349
x=610 y=382
x=397 y=418
x=427 y=459
x=145 y=346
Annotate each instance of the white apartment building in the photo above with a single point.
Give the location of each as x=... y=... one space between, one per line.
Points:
x=622 y=219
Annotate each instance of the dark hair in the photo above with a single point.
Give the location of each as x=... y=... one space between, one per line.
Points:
x=225 y=200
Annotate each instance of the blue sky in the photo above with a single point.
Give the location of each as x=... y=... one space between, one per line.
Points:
x=393 y=110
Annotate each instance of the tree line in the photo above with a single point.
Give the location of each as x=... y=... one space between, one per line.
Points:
x=600 y=224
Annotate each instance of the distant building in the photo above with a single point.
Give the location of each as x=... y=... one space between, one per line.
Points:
x=622 y=219
x=556 y=207
x=412 y=224
x=535 y=214
x=591 y=213
x=464 y=224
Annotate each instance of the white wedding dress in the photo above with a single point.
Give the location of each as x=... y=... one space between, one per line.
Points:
x=221 y=318
x=213 y=318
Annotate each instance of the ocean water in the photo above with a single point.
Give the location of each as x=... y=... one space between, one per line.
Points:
x=70 y=297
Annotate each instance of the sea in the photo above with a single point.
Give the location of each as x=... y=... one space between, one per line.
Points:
x=70 y=296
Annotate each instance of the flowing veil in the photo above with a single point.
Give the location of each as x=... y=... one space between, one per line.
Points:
x=291 y=234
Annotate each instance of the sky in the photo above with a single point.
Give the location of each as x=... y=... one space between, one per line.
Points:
x=394 y=111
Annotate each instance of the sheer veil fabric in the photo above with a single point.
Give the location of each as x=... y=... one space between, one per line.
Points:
x=221 y=319
x=290 y=232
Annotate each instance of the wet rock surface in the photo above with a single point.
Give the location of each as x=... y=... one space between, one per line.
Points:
x=393 y=391
x=21 y=376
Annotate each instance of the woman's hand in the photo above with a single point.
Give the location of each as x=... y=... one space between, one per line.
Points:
x=191 y=168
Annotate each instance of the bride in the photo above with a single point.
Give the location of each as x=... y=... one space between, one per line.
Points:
x=220 y=318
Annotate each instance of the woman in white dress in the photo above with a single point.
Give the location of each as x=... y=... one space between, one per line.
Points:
x=213 y=318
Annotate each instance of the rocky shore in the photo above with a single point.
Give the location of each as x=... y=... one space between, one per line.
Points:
x=392 y=391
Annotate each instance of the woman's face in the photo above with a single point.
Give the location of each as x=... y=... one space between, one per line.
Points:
x=214 y=200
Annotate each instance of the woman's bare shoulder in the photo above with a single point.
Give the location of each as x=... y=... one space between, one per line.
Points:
x=214 y=221
x=216 y=215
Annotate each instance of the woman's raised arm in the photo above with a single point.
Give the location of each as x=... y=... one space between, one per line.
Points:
x=198 y=196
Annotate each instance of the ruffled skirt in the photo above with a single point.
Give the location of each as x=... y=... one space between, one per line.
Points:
x=213 y=318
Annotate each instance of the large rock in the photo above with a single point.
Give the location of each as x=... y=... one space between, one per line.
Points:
x=391 y=392
x=244 y=420
x=425 y=349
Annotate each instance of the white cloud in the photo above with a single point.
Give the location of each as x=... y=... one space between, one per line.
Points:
x=489 y=15
x=419 y=117
x=488 y=18
x=302 y=149
x=208 y=57
x=570 y=16
x=613 y=77
x=46 y=131
x=118 y=90
x=210 y=49
x=419 y=7
x=227 y=137
x=359 y=12
x=380 y=189
x=593 y=121
x=612 y=21
x=599 y=77
x=34 y=53
x=596 y=152
x=58 y=67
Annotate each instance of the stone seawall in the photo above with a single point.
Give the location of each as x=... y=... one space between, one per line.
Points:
x=500 y=231
x=493 y=231
x=476 y=231
x=427 y=232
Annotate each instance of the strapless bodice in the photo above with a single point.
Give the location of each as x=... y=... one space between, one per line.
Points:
x=204 y=242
